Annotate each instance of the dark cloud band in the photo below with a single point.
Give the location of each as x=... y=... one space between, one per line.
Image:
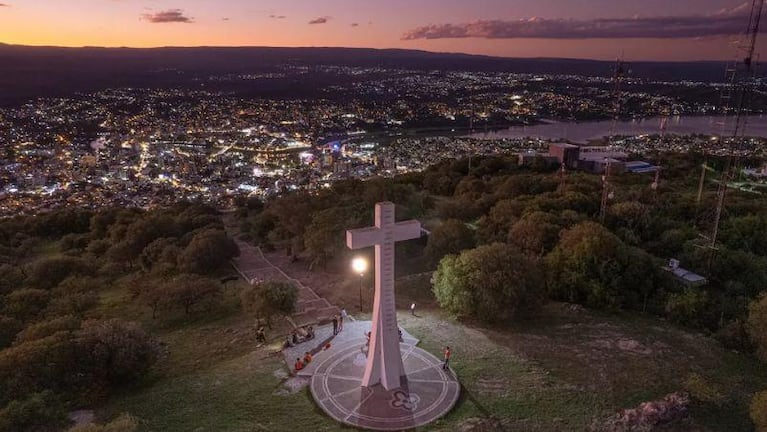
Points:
x=720 y=24
x=167 y=16
x=320 y=20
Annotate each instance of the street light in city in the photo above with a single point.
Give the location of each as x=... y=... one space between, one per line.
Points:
x=359 y=265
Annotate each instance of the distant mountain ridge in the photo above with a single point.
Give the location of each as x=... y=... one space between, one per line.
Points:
x=29 y=71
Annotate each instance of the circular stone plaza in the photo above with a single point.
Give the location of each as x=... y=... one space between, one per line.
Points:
x=427 y=392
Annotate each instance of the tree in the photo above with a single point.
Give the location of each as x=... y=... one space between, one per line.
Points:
x=450 y=237
x=115 y=351
x=489 y=283
x=591 y=265
x=187 y=291
x=161 y=251
x=36 y=365
x=25 y=304
x=324 y=238
x=495 y=226
x=75 y=296
x=270 y=298
x=39 y=412
x=758 y=410
x=47 y=328
x=150 y=293
x=207 y=252
x=757 y=325
x=46 y=273
x=11 y=278
x=536 y=233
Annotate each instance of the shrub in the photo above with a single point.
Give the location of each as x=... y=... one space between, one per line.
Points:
x=687 y=307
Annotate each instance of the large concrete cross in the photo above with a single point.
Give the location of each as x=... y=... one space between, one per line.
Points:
x=384 y=363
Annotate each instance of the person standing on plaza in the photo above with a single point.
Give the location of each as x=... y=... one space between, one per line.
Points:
x=341 y=320
x=335 y=325
x=446 y=364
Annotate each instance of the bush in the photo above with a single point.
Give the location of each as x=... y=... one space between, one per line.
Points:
x=687 y=307
x=40 y=412
x=26 y=304
x=46 y=273
x=489 y=283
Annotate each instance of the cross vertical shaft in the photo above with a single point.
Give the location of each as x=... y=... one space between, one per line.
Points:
x=384 y=362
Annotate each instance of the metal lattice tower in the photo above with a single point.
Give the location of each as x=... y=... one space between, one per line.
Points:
x=737 y=93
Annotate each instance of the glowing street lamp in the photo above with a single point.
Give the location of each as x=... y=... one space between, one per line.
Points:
x=359 y=265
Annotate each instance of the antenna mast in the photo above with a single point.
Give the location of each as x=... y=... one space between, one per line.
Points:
x=742 y=87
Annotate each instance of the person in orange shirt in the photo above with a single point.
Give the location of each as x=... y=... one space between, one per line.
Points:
x=299 y=364
x=307 y=358
x=446 y=364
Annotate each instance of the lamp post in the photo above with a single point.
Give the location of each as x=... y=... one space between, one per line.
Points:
x=359 y=265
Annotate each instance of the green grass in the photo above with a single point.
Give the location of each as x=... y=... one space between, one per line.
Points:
x=235 y=395
x=559 y=372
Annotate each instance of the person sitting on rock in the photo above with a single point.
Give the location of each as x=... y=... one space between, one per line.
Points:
x=294 y=338
x=299 y=364
x=310 y=333
x=307 y=357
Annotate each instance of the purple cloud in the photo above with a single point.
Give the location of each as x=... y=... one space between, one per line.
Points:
x=320 y=20
x=355 y=24
x=722 y=23
x=277 y=16
x=167 y=16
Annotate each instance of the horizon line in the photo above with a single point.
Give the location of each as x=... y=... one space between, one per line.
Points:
x=455 y=53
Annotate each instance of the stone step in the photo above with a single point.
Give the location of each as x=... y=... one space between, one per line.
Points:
x=309 y=305
x=315 y=316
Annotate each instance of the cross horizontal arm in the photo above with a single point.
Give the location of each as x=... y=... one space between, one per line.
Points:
x=407 y=230
x=362 y=238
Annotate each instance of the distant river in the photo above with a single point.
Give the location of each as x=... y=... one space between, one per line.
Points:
x=756 y=125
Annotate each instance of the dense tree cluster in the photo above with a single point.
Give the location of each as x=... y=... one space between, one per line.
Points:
x=313 y=225
x=552 y=220
x=57 y=346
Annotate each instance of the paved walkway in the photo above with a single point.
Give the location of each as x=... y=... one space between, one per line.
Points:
x=352 y=331
x=427 y=393
x=254 y=267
